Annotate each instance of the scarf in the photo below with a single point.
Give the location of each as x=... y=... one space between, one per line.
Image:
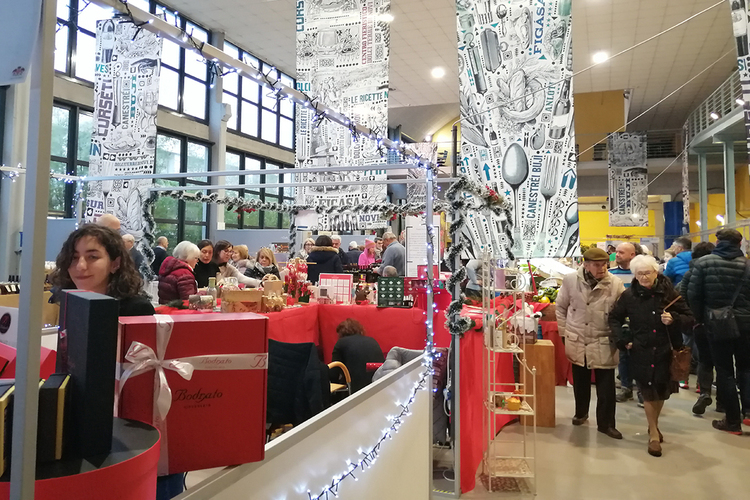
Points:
x=590 y=280
x=727 y=250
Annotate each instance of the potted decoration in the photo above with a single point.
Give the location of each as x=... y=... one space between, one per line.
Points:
x=296 y=285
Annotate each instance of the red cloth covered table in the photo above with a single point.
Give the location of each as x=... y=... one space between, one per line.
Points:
x=563 y=370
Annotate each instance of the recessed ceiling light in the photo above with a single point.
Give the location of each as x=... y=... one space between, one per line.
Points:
x=428 y=138
x=600 y=57
x=386 y=18
x=438 y=72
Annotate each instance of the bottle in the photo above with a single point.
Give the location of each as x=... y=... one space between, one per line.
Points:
x=211 y=290
x=560 y=112
x=539 y=334
x=739 y=26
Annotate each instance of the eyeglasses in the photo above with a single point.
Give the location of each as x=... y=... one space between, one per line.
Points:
x=644 y=274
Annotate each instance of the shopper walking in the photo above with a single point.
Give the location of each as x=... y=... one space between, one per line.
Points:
x=722 y=280
x=624 y=253
x=368 y=256
x=701 y=346
x=324 y=258
x=336 y=240
x=160 y=253
x=394 y=254
x=352 y=256
x=657 y=315
x=679 y=265
x=583 y=304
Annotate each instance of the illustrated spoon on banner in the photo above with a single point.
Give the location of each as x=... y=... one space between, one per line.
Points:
x=515 y=171
x=571 y=234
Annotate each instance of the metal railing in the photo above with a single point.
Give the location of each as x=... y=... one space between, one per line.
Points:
x=660 y=144
x=722 y=101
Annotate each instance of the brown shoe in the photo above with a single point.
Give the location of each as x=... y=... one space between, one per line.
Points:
x=654 y=449
x=661 y=437
x=611 y=432
x=580 y=420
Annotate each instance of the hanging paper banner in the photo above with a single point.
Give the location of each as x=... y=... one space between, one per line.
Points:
x=417 y=191
x=126 y=99
x=19 y=24
x=685 y=185
x=516 y=94
x=628 y=180
x=342 y=61
x=740 y=28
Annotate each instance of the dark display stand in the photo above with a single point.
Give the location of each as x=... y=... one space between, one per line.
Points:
x=127 y=472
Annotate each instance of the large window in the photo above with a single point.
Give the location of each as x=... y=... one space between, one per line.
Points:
x=71 y=142
x=262 y=219
x=255 y=111
x=184 y=75
x=176 y=219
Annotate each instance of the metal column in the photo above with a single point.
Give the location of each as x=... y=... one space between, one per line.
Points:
x=730 y=198
x=703 y=194
x=217 y=133
x=23 y=468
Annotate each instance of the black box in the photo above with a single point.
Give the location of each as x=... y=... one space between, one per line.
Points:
x=87 y=350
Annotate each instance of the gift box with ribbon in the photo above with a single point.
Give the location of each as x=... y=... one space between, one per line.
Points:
x=201 y=381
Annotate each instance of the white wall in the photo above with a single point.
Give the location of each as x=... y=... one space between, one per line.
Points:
x=308 y=457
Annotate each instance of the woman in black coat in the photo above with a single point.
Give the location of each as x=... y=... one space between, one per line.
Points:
x=323 y=259
x=653 y=333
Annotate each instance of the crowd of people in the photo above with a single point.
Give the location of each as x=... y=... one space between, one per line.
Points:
x=632 y=317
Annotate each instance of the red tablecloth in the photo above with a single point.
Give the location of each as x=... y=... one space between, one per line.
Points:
x=563 y=370
x=294 y=325
x=473 y=437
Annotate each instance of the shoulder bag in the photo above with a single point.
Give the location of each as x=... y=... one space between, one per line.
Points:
x=721 y=324
x=679 y=365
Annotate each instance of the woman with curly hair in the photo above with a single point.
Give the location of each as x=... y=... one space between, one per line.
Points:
x=94 y=258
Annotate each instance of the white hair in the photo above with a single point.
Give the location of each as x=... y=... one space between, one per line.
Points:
x=389 y=236
x=643 y=263
x=353 y=245
x=336 y=237
x=128 y=237
x=186 y=250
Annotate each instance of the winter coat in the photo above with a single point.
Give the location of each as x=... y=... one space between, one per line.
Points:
x=343 y=257
x=243 y=265
x=677 y=266
x=176 y=281
x=355 y=351
x=298 y=386
x=651 y=352
x=257 y=271
x=583 y=319
x=352 y=256
x=714 y=281
x=159 y=255
x=323 y=260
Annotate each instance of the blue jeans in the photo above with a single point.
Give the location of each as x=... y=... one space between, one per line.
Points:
x=729 y=356
x=626 y=380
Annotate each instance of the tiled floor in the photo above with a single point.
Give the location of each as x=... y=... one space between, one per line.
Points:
x=579 y=463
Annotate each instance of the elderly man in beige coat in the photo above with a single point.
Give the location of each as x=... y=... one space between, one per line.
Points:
x=583 y=306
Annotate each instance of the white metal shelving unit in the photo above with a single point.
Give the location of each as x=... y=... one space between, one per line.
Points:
x=509 y=463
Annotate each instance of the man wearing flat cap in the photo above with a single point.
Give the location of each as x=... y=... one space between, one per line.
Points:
x=583 y=306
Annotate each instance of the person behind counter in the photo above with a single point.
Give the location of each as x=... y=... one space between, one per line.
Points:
x=222 y=254
x=265 y=263
x=94 y=258
x=355 y=350
x=324 y=258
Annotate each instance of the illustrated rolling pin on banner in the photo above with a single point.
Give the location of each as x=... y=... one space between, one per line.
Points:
x=517 y=134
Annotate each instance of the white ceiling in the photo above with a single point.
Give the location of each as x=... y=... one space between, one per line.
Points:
x=424 y=36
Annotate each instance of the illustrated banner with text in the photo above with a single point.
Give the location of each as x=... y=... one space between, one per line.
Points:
x=342 y=62
x=628 y=180
x=516 y=94
x=740 y=27
x=126 y=100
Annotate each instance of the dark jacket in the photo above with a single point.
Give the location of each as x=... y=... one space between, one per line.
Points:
x=355 y=351
x=323 y=260
x=176 y=281
x=298 y=386
x=352 y=256
x=257 y=271
x=159 y=255
x=677 y=266
x=714 y=281
x=342 y=256
x=136 y=306
x=651 y=352
x=204 y=271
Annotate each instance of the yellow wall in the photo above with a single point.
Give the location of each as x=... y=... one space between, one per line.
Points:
x=715 y=207
x=596 y=115
x=595 y=228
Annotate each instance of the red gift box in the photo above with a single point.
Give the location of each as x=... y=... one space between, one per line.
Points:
x=201 y=380
x=47 y=360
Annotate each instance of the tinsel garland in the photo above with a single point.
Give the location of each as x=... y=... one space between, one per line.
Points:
x=485 y=199
x=292 y=234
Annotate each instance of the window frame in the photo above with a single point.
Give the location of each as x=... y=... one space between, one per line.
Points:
x=71 y=161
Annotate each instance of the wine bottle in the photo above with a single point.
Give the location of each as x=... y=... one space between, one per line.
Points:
x=739 y=26
x=560 y=112
x=211 y=290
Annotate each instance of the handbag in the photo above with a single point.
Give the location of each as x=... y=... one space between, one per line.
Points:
x=679 y=365
x=721 y=324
